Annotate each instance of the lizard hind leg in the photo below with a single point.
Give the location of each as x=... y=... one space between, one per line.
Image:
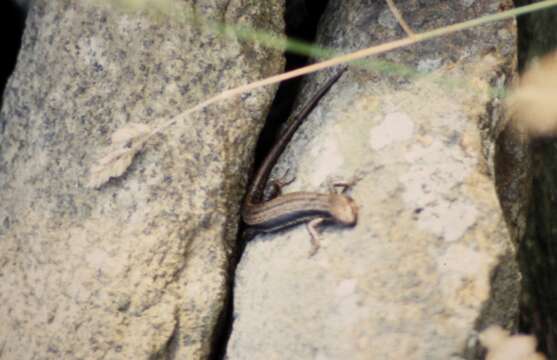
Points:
x=278 y=184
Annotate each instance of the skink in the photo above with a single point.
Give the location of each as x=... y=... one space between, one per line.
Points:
x=286 y=210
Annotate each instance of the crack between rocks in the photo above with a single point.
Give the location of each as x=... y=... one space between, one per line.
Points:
x=301 y=18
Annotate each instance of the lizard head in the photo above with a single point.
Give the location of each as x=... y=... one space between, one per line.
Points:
x=343 y=209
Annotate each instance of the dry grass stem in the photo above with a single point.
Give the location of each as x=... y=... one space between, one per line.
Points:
x=126 y=143
x=502 y=346
x=399 y=18
x=531 y=106
x=118 y=159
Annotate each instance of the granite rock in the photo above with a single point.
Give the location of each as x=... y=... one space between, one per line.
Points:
x=139 y=268
x=430 y=262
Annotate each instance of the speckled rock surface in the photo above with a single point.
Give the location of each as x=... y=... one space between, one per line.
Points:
x=137 y=269
x=430 y=262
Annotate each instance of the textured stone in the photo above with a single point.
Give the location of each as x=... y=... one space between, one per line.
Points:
x=430 y=262
x=137 y=269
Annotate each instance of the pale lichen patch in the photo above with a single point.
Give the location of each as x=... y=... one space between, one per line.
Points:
x=346 y=287
x=395 y=128
x=450 y=221
x=465 y=275
x=436 y=171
